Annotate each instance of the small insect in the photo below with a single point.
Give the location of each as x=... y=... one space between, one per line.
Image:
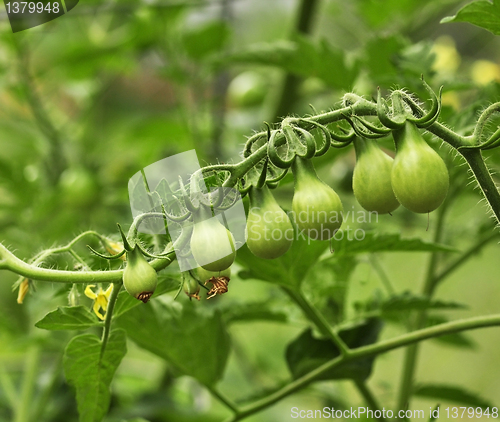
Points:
x=219 y=286
x=144 y=296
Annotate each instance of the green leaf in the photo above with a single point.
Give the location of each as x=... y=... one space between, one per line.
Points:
x=90 y=374
x=480 y=13
x=451 y=393
x=289 y=269
x=407 y=301
x=302 y=57
x=455 y=339
x=380 y=56
x=327 y=285
x=192 y=339
x=306 y=352
x=377 y=242
x=201 y=42
x=68 y=318
x=248 y=312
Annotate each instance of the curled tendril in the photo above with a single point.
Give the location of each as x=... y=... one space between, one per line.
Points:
x=272 y=152
x=361 y=133
x=309 y=141
x=262 y=178
x=371 y=127
x=326 y=136
x=341 y=141
x=277 y=178
x=247 y=150
x=155 y=256
x=424 y=119
x=492 y=142
x=108 y=257
x=485 y=116
x=383 y=113
x=177 y=218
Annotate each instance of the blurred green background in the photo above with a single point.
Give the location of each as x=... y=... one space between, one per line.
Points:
x=89 y=99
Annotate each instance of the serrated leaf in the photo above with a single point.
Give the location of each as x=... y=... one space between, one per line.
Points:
x=484 y=14
x=327 y=285
x=451 y=393
x=306 y=352
x=248 y=312
x=376 y=242
x=409 y=302
x=192 y=339
x=90 y=374
x=68 y=318
x=302 y=57
x=289 y=269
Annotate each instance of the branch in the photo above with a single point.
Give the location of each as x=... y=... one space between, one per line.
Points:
x=109 y=315
x=363 y=352
x=16 y=265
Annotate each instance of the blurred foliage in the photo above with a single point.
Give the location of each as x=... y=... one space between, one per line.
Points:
x=89 y=99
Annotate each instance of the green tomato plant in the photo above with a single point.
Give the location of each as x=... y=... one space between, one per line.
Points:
x=417 y=178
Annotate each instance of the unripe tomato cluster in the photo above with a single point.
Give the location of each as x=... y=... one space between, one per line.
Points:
x=417 y=178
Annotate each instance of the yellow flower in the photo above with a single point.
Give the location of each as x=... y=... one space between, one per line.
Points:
x=115 y=248
x=23 y=290
x=101 y=299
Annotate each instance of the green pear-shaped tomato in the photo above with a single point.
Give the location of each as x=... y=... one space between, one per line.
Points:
x=419 y=176
x=316 y=206
x=190 y=286
x=371 y=181
x=205 y=275
x=139 y=278
x=212 y=245
x=269 y=232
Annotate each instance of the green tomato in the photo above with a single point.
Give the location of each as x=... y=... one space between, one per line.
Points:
x=191 y=286
x=419 y=175
x=139 y=278
x=371 y=181
x=269 y=232
x=212 y=245
x=247 y=89
x=78 y=187
x=316 y=206
x=205 y=275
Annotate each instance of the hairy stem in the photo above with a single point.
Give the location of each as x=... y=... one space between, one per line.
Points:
x=483 y=177
x=10 y=262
